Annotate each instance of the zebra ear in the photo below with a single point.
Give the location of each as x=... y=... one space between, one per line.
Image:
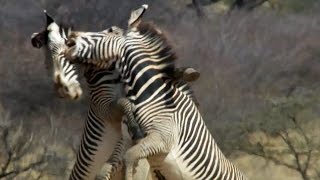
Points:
x=38 y=39
x=117 y=30
x=114 y=29
x=136 y=16
x=108 y=30
x=48 y=17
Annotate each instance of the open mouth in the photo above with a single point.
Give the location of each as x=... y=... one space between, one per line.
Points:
x=67 y=93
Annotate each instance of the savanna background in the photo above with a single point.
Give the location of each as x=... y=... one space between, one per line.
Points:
x=259 y=90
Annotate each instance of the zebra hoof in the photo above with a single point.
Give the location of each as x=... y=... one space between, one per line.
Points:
x=105 y=173
x=190 y=75
x=99 y=177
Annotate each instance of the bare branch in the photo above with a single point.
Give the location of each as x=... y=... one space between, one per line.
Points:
x=318 y=173
x=16 y=150
x=273 y=159
x=18 y=171
x=247 y=5
x=303 y=170
x=286 y=139
x=264 y=155
x=8 y=150
x=198 y=8
x=297 y=125
x=308 y=144
x=255 y=4
x=22 y=149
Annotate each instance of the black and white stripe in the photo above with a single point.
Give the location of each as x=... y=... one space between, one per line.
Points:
x=102 y=139
x=178 y=144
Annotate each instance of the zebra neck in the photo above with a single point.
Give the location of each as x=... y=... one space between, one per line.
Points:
x=106 y=54
x=142 y=82
x=103 y=94
x=149 y=91
x=103 y=86
x=101 y=98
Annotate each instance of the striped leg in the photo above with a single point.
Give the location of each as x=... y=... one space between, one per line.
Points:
x=114 y=163
x=152 y=144
x=133 y=127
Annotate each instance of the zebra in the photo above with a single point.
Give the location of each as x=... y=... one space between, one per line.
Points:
x=100 y=125
x=177 y=142
x=102 y=133
x=66 y=84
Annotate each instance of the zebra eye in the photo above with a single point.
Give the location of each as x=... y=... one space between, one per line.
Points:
x=70 y=43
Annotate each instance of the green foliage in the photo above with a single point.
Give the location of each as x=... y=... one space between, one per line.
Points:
x=293 y=6
x=279 y=111
x=228 y=2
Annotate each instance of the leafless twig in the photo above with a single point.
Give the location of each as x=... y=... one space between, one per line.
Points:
x=17 y=150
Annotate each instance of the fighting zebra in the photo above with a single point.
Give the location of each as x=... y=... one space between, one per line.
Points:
x=102 y=130
x=177 y=142
x=102 y=133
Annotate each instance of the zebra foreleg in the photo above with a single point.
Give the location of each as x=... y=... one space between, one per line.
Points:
x=133 y=127
x=106 y=172
x=114 y=163
x=152 y=144
x=187 y=74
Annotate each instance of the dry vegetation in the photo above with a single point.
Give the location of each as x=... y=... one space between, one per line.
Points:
x=259 y=91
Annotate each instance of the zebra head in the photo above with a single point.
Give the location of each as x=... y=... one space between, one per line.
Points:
x=102 y=48
x=64 y=74
x=95 y=47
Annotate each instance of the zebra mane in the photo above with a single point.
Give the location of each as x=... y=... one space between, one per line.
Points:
x=67 y=28
x=166 y=52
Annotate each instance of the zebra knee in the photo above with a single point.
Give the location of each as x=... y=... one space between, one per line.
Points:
x=130 y=157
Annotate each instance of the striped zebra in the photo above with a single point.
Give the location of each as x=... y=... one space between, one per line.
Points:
x=102 y=130
x=177 y=144
x=102 y=133
x=66 y=84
